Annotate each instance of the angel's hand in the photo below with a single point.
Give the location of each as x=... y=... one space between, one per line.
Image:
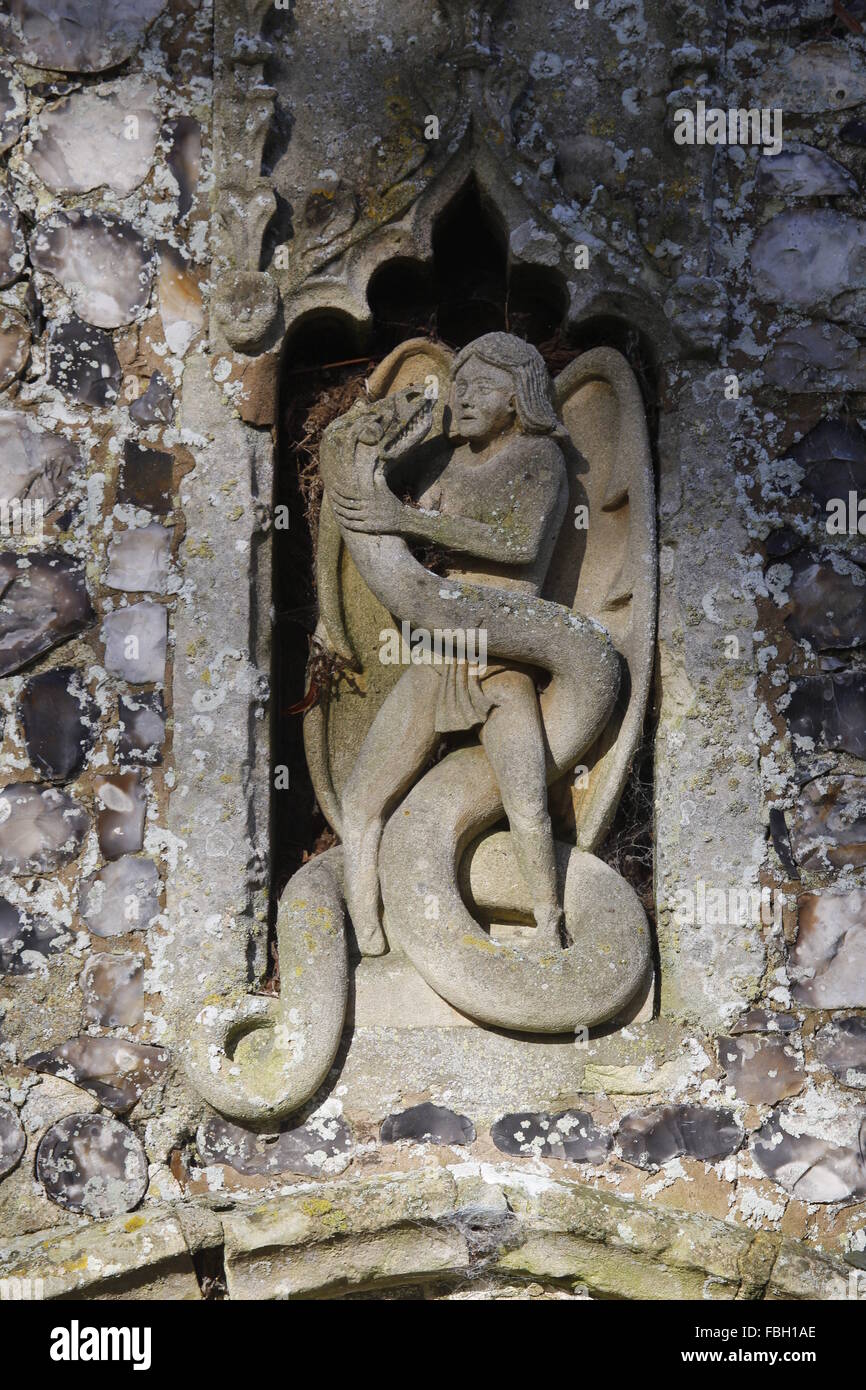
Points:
x=376 y=512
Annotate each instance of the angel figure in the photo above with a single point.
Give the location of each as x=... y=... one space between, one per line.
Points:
x=493 y=498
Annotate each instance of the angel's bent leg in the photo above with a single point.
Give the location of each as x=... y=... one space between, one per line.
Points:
x=398 y=743
x=513 y=739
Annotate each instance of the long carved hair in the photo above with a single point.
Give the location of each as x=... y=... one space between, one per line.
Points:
x=526 y=367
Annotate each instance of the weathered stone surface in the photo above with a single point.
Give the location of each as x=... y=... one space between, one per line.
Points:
x=26 y=942
x=139 y=559
x=800 y=171
x=101 y=262
x=427 y=1124
x=117 y=1072
x=69 y=36
x=155 y=406
x=816 y=357
x=142 y=729
x=829 y=825
x=34 y=464
x=248 y=310
x=13 y=109
x=146 y=478
x=763 y=1021
x=122 y=806
x=113 y=990
x=13 y=1140
x=93 y=1164
x=762 y=1071
x=841 y=1048
x=97 y=137
x=83 y=363
x=828 y=961
x=829 y=711
x=122 y=897
x=812 y=260
x=135 y=640
x=41 y=828
x=828 y=601
x=13 y=251
x=14 y=346
x=302 y=1149
x=43 y=601
x=650 y=1138
x=811 y=1168
x=571 y=1135
x=143 y=1257
x=60 y=720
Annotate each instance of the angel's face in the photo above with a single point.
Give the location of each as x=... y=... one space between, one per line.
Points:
x=483 y=400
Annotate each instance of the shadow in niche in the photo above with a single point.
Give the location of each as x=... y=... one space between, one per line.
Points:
x=467 y=291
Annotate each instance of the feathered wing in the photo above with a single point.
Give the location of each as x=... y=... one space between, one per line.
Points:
x=350 y=617
x=604 y=565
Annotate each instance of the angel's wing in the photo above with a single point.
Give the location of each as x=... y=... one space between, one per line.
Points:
x=350 y=618
x=604 y=565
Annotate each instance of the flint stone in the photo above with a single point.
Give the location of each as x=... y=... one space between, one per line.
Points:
x=113 y=990
x=142 y=729
x=810 y=1168
x=100 y=261
x=427 y=1124
x=75 y=35
x=115 y=1071
x=828 y=602
x=763 y=1021
x=59 y=719
x=827 y=75
x=139 y=560
x=811 y=260
x=816 y=357
x=184 y=161
x=830 y=823
x=800 y=171
x=26 y=942
x=304 y=1149
x=83 y=363
x=88 y=140
x=41 y=829
x=135 y=642
x=43 y=601
x=650 y=1138
x=780 y=14
x=13 y=250
x=13 y=109
x=13 y=1140
x=155 y=406
x=120 y=819
x=34 y=464
x=146 y=478
x=841 y=1048
x=762 y=1071
x=14 y=346
x=180 y=301
x=829 y=958
x=830 y=711
x=569 y=1135
x=833 y=459
x=121 y=897
x=92 y=1164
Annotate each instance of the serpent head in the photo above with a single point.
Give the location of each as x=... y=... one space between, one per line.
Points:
x=375 y=432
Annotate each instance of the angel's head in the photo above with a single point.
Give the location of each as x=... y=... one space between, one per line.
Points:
x=500 y=381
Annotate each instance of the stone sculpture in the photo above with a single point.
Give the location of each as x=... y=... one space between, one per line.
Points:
x=540 y=501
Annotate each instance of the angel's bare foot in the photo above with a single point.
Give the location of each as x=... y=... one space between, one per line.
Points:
x=360 y=868
x=549 y=923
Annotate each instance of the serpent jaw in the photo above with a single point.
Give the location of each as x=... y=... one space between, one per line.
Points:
x=411 y=419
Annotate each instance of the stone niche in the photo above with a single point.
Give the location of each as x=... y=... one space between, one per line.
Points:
x=421 y=327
